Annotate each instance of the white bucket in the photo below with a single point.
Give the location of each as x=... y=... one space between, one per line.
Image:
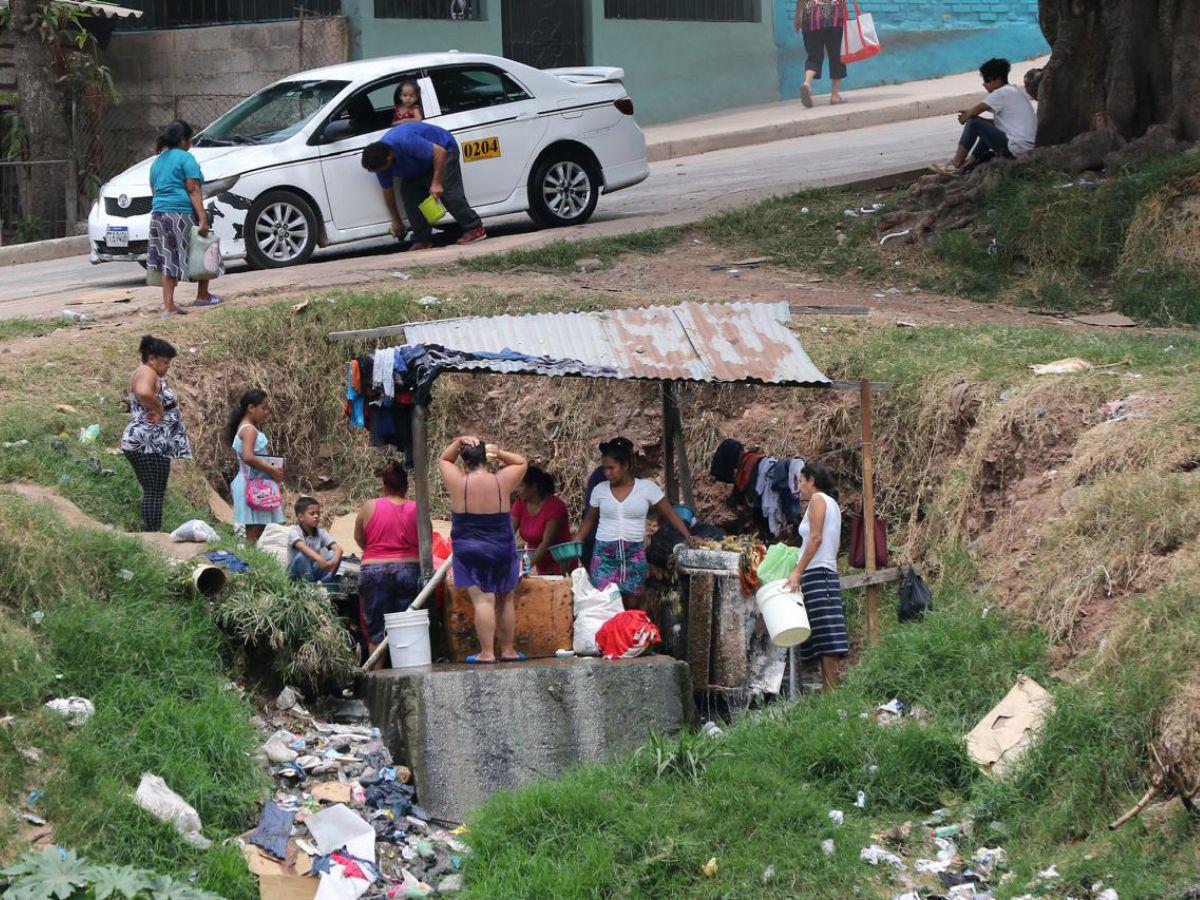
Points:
x=408 y=638
x=784 y=614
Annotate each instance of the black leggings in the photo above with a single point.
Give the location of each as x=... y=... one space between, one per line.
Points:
x=820 y=42
x=152 y=471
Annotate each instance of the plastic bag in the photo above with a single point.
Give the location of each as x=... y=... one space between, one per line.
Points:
x=627 y=635
x=204 y=256
x=195 y=530
x=778 y=564
x=160 y=801
x=915 y=597
x=592 y=609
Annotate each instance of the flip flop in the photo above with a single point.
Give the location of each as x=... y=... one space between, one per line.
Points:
x=166 y=314
x=474 y=660
x=806 y=96
x=520 y=657
x=213 y=300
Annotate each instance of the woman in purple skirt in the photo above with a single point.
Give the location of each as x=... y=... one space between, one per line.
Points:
x=485 y=550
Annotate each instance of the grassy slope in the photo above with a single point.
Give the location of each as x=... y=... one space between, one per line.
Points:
x=1043 y=240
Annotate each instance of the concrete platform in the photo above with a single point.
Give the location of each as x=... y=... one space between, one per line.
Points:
x=467 y=731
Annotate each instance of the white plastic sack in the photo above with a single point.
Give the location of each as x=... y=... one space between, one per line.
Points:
x=196 y=531
x=204 y=256
x=160 y=801
x=76 y=710
x=274 y=540
x=592 y=609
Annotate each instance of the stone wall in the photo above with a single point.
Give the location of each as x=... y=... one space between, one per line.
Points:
x=199 y=73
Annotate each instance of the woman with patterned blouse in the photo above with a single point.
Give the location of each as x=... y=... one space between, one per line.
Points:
x=822 y=23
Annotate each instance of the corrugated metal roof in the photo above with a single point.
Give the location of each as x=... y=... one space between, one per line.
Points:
x=717 y=342
x=101 y=10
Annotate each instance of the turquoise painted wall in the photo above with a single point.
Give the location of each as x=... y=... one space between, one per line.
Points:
x=922 y=39
x=371 y=37
x=676 y=70
x=673 y=70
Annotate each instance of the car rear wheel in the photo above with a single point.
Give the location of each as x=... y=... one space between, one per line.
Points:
x=280 y=230
x=563 y=191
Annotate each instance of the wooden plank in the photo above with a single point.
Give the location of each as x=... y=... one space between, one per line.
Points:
x=420 y=436
x=866 y=579
x=668 y=441
x=868 y=463
x=365 y=334
x=829 y=310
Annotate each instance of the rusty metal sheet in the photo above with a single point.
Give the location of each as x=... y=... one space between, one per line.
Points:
x=714 y=342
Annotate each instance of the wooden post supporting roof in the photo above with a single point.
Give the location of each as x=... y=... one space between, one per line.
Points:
x=420 y=438
x=668 y=442
x=868 y=510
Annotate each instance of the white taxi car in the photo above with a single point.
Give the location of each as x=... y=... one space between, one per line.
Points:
x=283 y=174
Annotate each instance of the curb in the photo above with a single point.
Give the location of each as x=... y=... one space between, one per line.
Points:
x=44 y=251
x=793 y=128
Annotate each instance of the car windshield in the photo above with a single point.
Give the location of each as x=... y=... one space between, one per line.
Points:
x=271 y=115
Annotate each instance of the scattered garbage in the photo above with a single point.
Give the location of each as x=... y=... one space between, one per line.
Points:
x=876 y=855
x=768 y=874
x=916 y=598
x=709 y=869
x=712 y=729
x=403 y=276
x=1062 y=367
x=38 y=616
x=428 y=300
x=76 y=710
x=160 y=801
x=1007 y=731
x=9 y=445
x=1049 y=874
x=125 y=575
x=836 y=816
x=589 y=264
x=72 y=316
x=889 y=713
x=827 y=847
x=861 y=800
x=195 y=531
x=90 y=434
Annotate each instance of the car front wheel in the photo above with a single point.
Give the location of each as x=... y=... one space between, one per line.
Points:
x=280 y=230
x=563 y=191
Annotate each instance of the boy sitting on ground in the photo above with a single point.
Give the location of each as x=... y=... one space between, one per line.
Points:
x=1010 y=132
x=313 y=554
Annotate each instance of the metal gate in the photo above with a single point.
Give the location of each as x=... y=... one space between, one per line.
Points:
x=544 y=33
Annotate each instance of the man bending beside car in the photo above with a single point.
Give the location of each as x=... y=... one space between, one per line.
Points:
x=425 y=159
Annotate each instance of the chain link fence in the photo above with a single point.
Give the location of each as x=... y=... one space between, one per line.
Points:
x=107 y=138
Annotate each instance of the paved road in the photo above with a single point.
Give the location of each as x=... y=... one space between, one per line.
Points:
x=677 y=191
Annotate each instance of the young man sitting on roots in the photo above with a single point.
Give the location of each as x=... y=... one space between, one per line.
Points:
x=1011 y=132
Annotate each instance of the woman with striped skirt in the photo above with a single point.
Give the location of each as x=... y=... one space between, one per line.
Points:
x=816 y=574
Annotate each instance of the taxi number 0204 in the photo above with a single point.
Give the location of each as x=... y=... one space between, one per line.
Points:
x=484 y=148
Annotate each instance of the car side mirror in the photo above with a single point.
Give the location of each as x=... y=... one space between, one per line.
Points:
x=336 y=130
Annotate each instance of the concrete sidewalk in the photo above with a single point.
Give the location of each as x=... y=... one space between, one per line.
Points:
x=790 y=119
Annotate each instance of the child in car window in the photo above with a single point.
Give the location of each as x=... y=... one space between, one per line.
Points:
x=408 y=109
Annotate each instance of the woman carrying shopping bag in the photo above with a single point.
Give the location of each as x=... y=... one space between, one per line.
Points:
x=177 y=208
x=822 y=24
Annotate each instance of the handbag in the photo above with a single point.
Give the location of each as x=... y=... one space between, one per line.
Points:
x=859 y=39
x=858 y=543
x=204 y=256
x=262 y=493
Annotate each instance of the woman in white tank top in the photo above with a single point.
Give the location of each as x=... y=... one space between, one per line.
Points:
x=816 y=574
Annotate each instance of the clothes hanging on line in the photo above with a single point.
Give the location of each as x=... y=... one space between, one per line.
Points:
x=725 y=461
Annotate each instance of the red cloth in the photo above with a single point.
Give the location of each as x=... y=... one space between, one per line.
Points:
x=404 y=113
x=627 y=635
x=747 y=470
x=858 y=543
x=532 y=528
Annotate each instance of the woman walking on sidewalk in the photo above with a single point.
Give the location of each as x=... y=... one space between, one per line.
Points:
x=155 y=434
x=175 y=183
x=822 y=24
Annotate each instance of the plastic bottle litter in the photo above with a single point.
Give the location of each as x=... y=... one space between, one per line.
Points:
x=861 y=800
x=72 y=316
x=946 y=831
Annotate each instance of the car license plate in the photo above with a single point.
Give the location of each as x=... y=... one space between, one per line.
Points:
x=484 y=148
x=117 y=237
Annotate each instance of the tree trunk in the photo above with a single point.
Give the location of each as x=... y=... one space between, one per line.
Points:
x=1120 y=66
x=40 y=105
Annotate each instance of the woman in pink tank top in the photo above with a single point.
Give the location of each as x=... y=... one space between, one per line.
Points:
x=386 y=529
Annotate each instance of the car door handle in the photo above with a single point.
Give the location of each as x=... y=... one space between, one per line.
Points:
x=526 y=116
